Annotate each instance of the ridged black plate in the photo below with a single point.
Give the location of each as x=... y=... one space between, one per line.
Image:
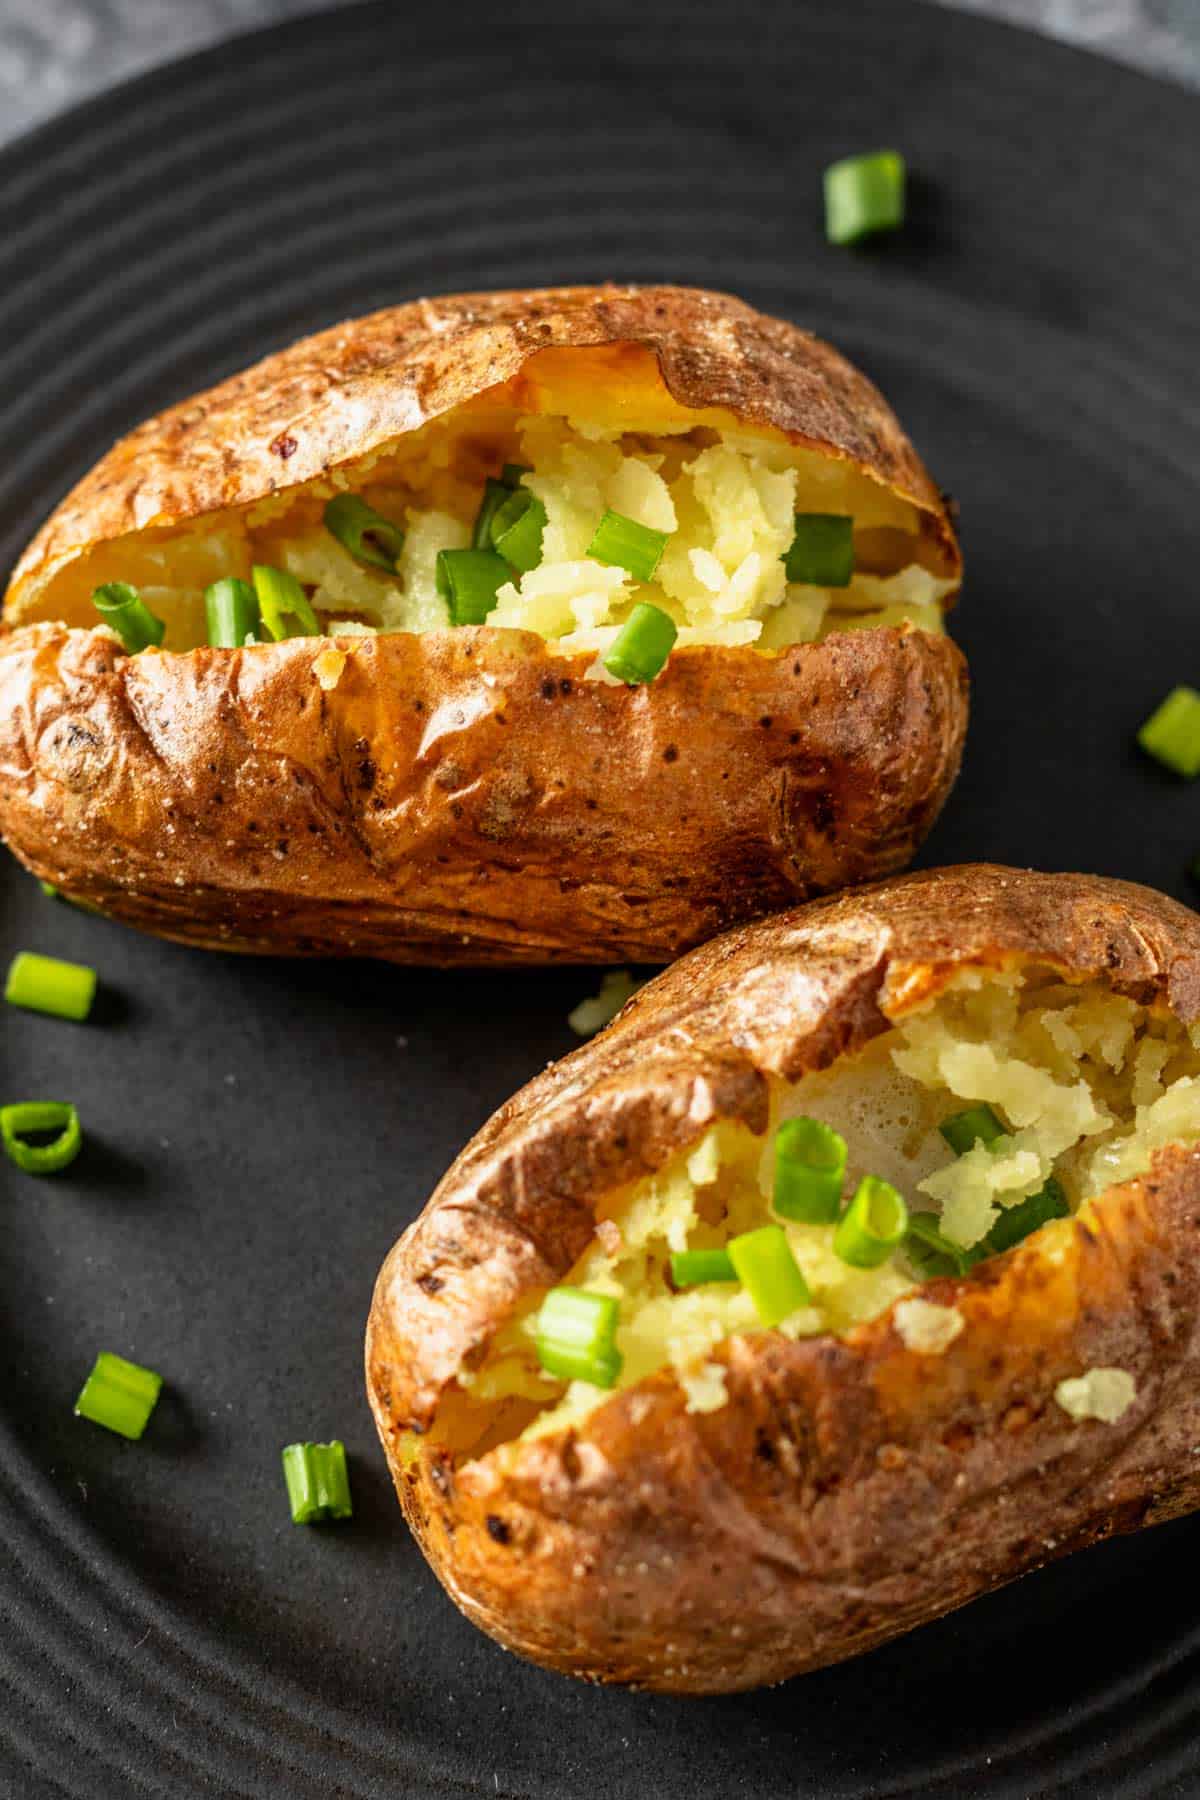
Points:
x=258 y=1133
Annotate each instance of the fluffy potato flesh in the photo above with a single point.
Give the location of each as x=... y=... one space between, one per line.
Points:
x=727 y=498
x=1089 y=1084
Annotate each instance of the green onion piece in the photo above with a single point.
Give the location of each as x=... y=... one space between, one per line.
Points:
x=512 y=473
x=517 y=530
x=643 y=644
x=624 y=544
x=769 y=1272
x=468 y=581
x=318 y=1482
x=810 y=1167
x=863 y=195
x=122 y=607
x=931 y=1252
x=119 y=1395
x=1172 y=733
x=691 y=1267
x=495 y=493
x=286 y=609
x=48 y=888
x=977 y=1125
x=32 y=1118
x=231 y=613
x=576 y=1336
x=872 y=1226
x=365 y=533
x=1016 y=1222
x=43 y=984
x=822 y=551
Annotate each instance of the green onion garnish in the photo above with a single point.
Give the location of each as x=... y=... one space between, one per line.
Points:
x=769 y=1272
x=1172 y=733
x=863 y=195
x=122 y=607
x=36 y=1118
x=872 y=1226
x=977 y=1125
x=689 y=1268
x=931 y=1252
x=517 y=530
x=46 y=985
x=511 y=474
x=624 y=544
x=365 y=533
x=48 y=888
x=576 y=1336
x=318 y=1482
x=643 y=644
x=286 y=609
x=468 y=581
x=1016 y=1222
x=495 y=493
x=119 y=1395
x=822 y=551
x=810 y=1167
x=231 y=612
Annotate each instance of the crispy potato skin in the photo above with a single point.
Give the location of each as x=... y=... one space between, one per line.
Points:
x=468 y=796
x=705 y=1553
x=338 y=396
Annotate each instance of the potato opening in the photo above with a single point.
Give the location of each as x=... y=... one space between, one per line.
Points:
x=593 y=432
x=1086 y=1084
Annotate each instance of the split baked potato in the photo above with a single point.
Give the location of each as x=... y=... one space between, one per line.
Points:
x=432 y=758
x=990 y=1362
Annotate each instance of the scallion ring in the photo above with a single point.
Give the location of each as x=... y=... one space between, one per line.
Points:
x=366 y=534
x=640 y=649
x=123 y=609
x=36 y=1118
x=285 y=607
x=231 y=613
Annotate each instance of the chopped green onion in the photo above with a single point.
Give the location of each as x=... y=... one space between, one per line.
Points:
x=810 y=1167
x=282 y=599
x=822 y=551
x=365 y=533
x=863 y=195
x=624 y=544
x=872 y=1226
x=122 y=607
x=48 y=888
x=495 y=493
x=1016 y=1222
x=119 y=1395
x=641 y=647
x=468 y=581
x=691 y=1267
x=44 y=984
x=931 y=1252
x=576 y=1336
x=512 y=474
x=34 y=1118
x=769 y=1272
x=1172 y=733
x=977 y=1125
x=318 y=1482
x=517 y=530
x=231 y=612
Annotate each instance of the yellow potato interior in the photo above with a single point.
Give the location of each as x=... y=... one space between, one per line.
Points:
x=1087 y=1083
x=726 y=497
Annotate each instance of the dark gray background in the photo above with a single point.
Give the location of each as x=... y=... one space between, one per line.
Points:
x=54 y=52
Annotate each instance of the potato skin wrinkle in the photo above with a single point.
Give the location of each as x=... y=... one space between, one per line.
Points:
x=711 y=1551
x=470 y=795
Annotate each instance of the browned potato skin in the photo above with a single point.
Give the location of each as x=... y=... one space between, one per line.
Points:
x=851 y=1488
x=415 y=812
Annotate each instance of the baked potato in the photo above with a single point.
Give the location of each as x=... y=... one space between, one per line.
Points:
x=719 y=1487
x=443 y=753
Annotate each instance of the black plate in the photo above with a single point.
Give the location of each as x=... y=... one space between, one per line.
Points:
x=258 y=1132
